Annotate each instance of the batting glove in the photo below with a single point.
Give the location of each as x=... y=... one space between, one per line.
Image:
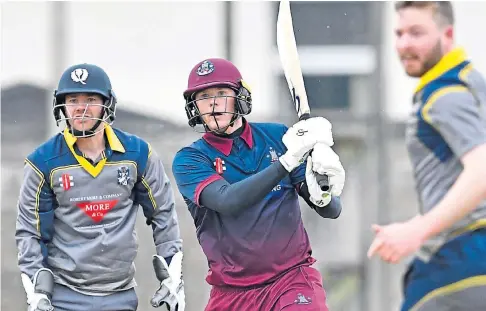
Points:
x=301 y=138
x=326 y=162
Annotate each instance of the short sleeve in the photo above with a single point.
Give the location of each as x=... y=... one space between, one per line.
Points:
x=193 y=172
x=456 y=114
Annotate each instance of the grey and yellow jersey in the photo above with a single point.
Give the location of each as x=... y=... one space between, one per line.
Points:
x=448 y=120
x=78 y=218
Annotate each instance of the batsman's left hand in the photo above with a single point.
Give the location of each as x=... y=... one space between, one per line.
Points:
x=326 y=162
x=398 y=240
x=317 y=196
x=171 y=290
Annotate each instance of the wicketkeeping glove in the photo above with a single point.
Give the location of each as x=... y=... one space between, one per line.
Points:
x=39 y=291
x=171 y=290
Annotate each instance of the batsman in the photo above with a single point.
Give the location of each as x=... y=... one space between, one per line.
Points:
x=241 y=182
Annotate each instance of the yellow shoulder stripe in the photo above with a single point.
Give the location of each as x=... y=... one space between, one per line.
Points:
x=436 y=95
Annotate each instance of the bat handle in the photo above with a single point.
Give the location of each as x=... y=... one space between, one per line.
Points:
x=322 y=180
x=304 y=116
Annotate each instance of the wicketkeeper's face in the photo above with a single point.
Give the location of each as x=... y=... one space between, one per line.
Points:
x=217 y=107
x=421 y=38
x=83 y=110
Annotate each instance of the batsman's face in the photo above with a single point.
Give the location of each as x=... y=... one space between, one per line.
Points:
x=83 y=110
x=420 y=40
x=217 y=107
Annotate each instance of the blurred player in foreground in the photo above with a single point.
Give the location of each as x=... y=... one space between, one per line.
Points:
x=241 y=183
x=78 y=206
x=446 y=140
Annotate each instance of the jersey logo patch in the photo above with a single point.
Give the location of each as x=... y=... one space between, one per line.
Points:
x=219 y=165
x=97 y=209
x=123 y=175
x=66 y=181
x=302 y=300
x=273 y=154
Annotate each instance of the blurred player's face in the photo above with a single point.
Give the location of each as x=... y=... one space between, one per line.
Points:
x=217 y=107
x=84 y=110
x=420 y=40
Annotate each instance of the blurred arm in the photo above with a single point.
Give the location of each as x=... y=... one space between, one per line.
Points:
x=457 y=116
x=465 y=195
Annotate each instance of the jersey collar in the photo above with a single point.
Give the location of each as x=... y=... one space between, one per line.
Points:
x=113 y=140
x=224 y=144
x=447 y=62
x=94 y=170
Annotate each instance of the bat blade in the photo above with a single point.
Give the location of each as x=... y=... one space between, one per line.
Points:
x=289 y=58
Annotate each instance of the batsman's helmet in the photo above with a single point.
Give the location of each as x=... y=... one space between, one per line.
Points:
x=85 y=78
x=216 y=72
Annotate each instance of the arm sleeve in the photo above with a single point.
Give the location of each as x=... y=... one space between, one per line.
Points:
x=197 y=179
x=297 y=176
x=228 y=198
x=457 y=116
x=332 y=210
x=155 y=195
x=35 y=215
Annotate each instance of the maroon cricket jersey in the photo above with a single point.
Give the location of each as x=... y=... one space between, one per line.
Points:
x=263 y=241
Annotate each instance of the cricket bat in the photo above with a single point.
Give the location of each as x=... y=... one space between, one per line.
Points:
x=289 y=57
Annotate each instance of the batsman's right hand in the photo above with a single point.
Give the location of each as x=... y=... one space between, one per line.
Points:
x=39 y=291
x=301 y=138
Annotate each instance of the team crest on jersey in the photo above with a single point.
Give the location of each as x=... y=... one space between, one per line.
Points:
x=79 y=75
x=123 y=175
x=219 y=165
x=205 y=68
x=273 y=154
x=302 y=300
x=66 y=181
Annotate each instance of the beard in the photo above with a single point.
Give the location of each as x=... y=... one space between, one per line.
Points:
x=431 y=59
